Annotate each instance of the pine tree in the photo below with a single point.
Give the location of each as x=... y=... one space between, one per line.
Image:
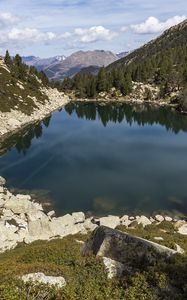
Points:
x=102 y=80
x=7 y=59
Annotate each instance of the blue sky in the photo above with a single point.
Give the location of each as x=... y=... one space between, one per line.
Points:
x=54 y=27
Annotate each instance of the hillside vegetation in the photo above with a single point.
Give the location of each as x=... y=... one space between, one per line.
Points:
x=86 y=277
x=20 y=85
x=162 y=63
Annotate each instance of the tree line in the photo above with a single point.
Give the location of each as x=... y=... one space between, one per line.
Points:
x=21 y=71
x=166 y=69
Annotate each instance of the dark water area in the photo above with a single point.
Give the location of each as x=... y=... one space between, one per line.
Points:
x=106 y=159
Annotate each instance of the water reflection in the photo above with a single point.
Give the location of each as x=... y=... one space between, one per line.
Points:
x=117 y=113
x=140 y=114
x=22 y=141
x=113 y=158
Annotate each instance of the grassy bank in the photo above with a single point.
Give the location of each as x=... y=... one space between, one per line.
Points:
x=86 y=276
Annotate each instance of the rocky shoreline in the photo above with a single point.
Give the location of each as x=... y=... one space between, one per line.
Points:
x=13 y=121
x=22 y=220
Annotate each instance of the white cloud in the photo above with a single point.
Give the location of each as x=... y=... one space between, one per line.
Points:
x=7 y=18
x=153 y=25
x=26 y=35
x=94 y=34
x=124 y=28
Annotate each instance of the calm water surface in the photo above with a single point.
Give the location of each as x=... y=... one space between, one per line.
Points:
x=112 y=159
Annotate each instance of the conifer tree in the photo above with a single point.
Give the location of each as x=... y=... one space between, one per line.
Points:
x=7 y=59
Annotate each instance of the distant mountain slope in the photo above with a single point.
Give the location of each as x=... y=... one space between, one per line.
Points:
x=79 y=60
x=94 y=70
x=42 y=63
x=122 y=54
x=157 y=71
x=172 y=38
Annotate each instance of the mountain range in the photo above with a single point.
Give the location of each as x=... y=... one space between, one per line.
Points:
x=59 y=67
x=41 y=63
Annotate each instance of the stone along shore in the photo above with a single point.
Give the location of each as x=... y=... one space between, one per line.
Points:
x=15 y=120
x=22 y=220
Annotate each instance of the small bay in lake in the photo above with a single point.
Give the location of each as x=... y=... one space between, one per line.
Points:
x=106 y=159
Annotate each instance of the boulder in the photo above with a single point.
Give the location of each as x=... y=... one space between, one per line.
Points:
x=21 y=205
x=125 y=222
x=168 y=219
x=78 y=217
x=2 y=202
x=61 y=227
x=183 y=229
x=8 y=236
x=35 y=215
x=110 y=221
x=89 y=225
x=38 y=230
x=122 y=247
x=158 y=238
x=159 y=218
x=59 y=282
x=51 y=213
x=113 y=267
x=124 y=218
x=144 y=221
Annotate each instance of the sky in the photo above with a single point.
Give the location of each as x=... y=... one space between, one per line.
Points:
x=47 y=28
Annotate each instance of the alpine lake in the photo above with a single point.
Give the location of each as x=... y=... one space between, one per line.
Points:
x=102 y=159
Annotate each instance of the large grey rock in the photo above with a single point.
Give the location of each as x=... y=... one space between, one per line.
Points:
x=60 y=227
x=78 y=217
x=144 y=221
x=19 y=205
x=9 y=237
x=89 y=225
x=110 y=221
x=38 y=230
x=59 y=282
x=159 y=218
x=122 y=247
x=113 y=267
x=34 y=215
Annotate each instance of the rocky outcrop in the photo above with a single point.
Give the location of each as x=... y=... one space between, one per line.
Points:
x=14 y=120
x=24 y=220
x=58 y=282
x=118 y=245
x=120 y=250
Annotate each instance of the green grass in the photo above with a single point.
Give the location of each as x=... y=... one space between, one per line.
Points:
x=166 y=230
x=86 y=276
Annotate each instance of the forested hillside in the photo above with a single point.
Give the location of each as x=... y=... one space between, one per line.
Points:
x=20 y=85
x=162 y=63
